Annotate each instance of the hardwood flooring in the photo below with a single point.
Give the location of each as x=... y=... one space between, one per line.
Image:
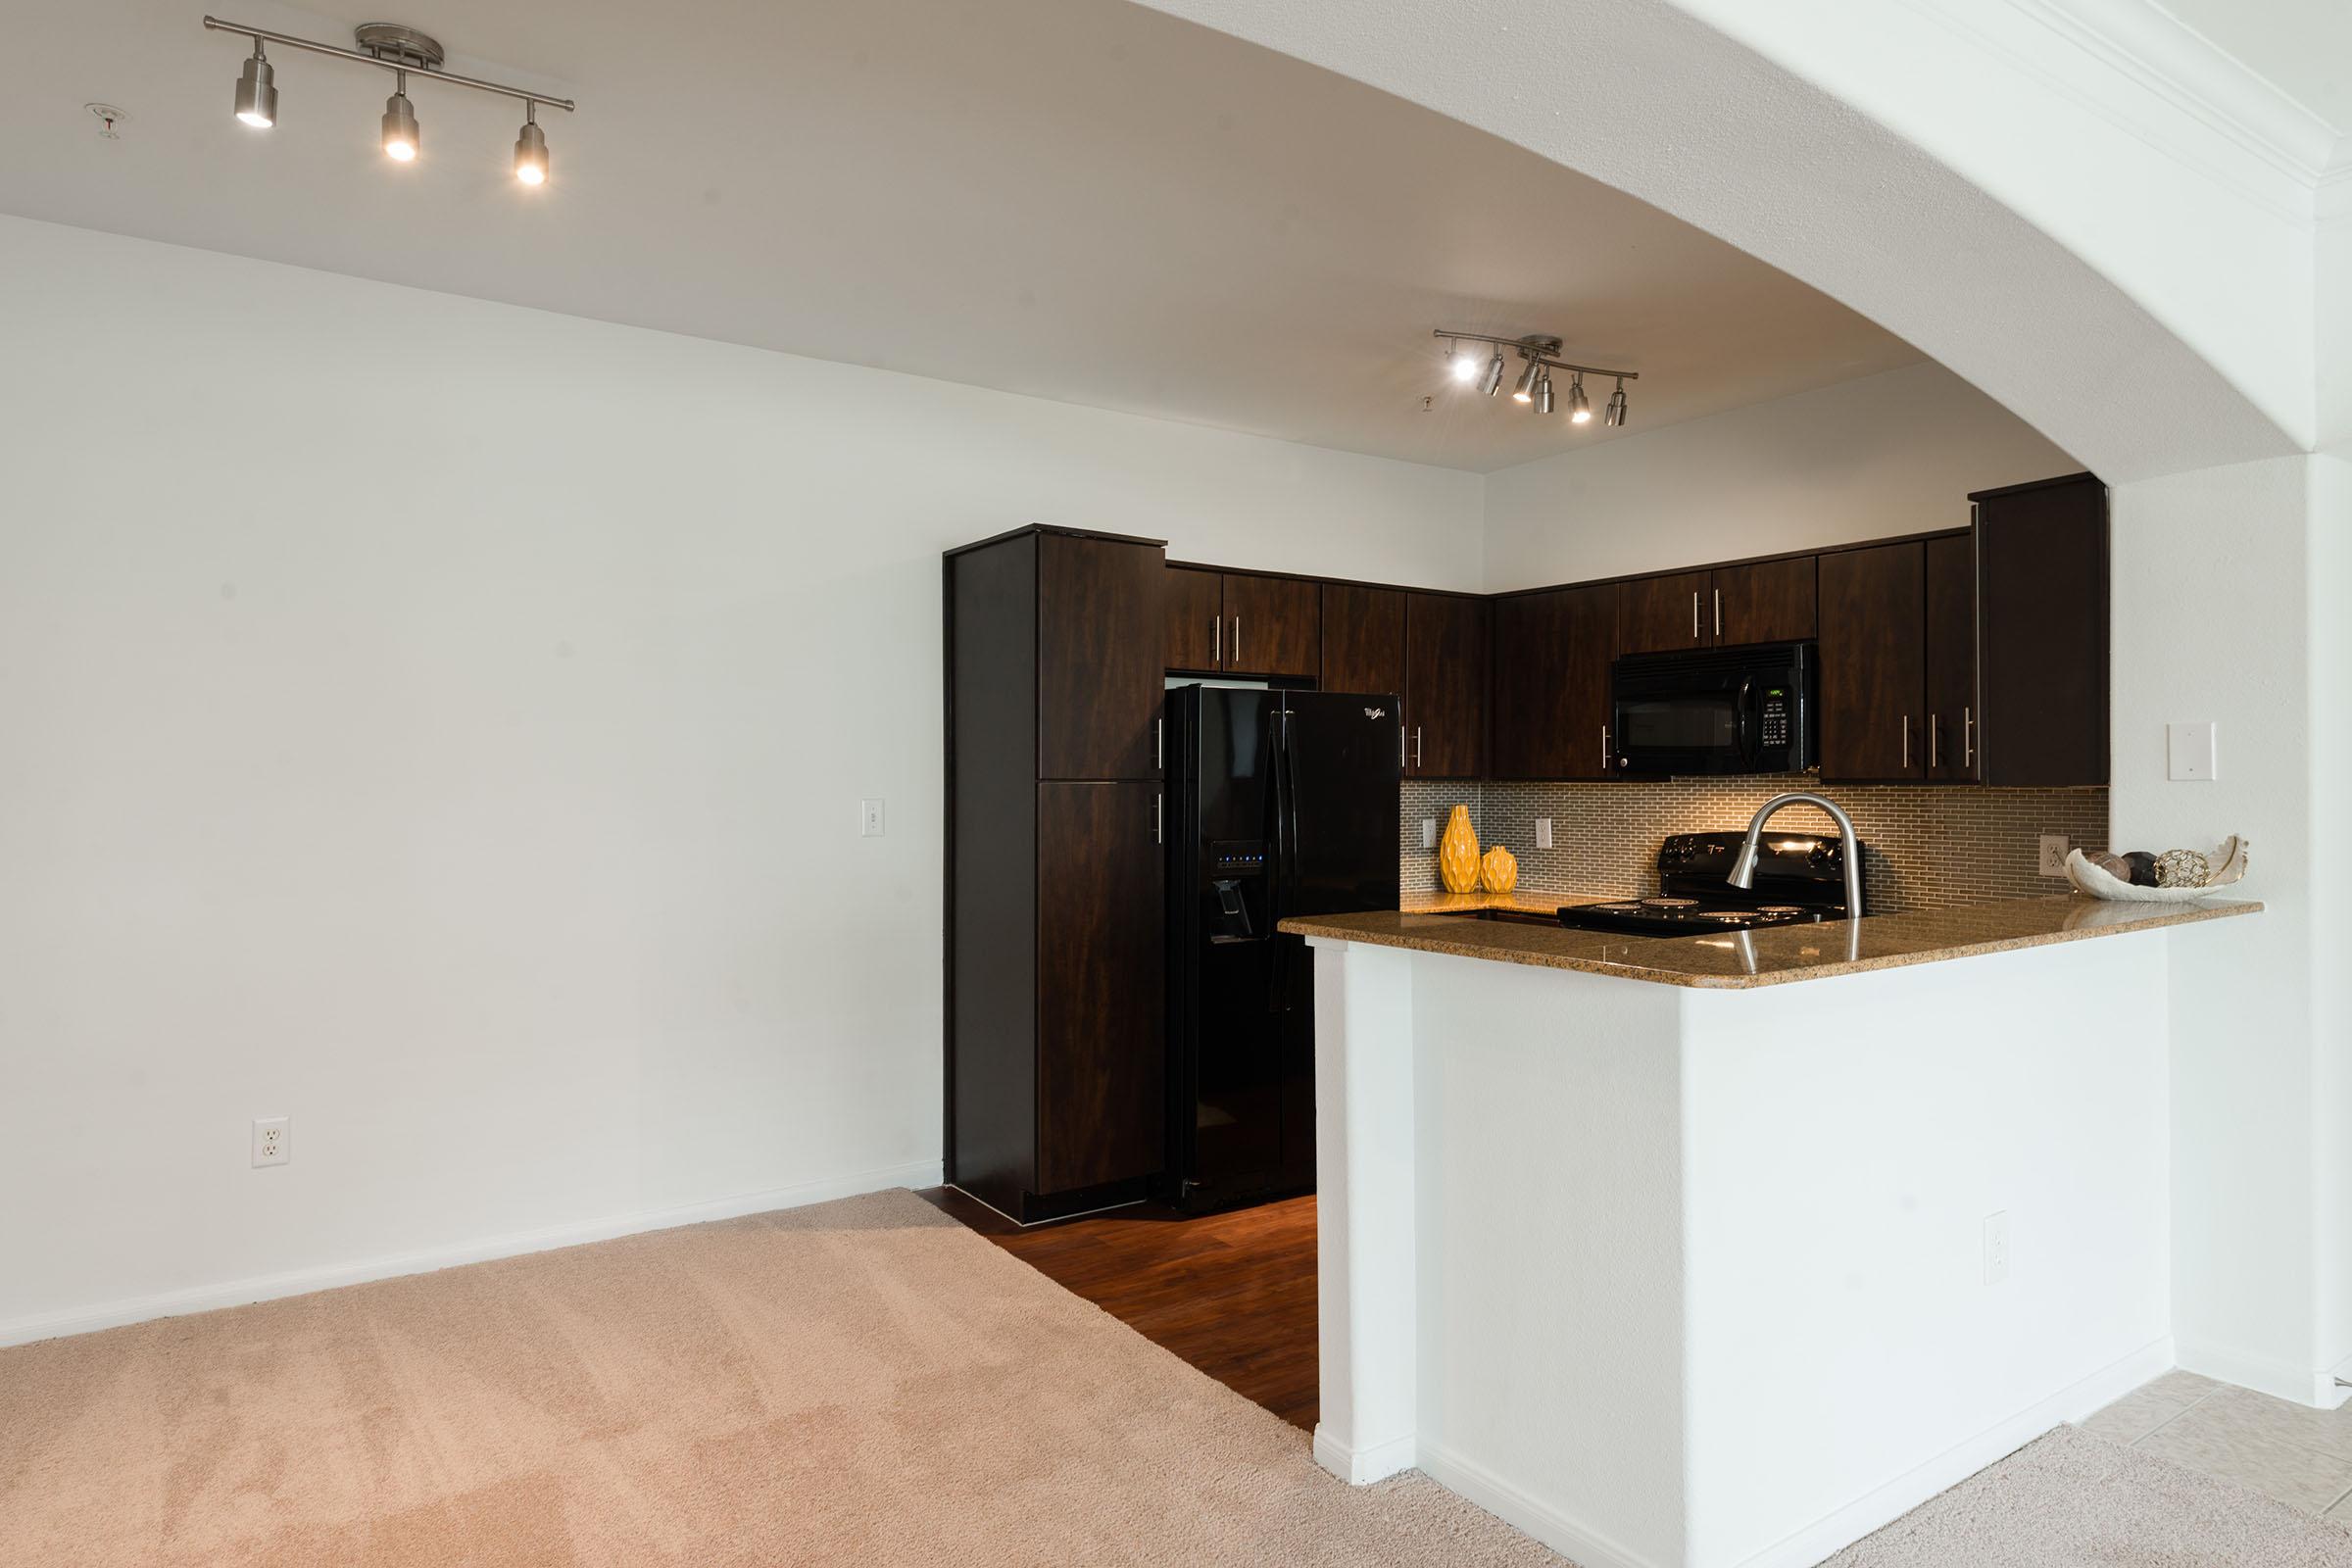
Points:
x=1233 y=1294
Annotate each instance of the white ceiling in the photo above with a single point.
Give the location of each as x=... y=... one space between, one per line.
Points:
x=1076 y=199
x=2301 y=47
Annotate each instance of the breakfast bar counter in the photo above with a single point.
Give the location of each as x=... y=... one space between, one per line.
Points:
x=1746 y=959
x=1674 y=1264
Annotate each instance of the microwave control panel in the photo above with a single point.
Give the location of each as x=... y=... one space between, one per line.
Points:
x=1774 y=726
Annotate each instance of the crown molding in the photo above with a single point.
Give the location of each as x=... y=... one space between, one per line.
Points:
x=2175 y=61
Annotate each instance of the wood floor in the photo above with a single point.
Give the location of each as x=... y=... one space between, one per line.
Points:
x=1232 y=1294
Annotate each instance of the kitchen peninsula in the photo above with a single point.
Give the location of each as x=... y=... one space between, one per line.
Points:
x=1727 y=1249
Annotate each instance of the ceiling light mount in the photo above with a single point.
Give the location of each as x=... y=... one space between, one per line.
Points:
x=1540 y=354
x=392 y=44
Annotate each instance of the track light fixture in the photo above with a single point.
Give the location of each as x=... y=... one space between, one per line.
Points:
x=1462 y=363
x=257 y=91
x=405 y=52
x=1534 y=389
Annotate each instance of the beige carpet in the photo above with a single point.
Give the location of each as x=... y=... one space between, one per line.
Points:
x=855 y=1383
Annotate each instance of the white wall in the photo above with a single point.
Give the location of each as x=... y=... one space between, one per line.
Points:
x=444 y=723
x=1887 y=454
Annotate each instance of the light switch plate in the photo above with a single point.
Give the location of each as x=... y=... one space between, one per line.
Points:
x=1542 y=832
x=870 y=819
x=2188 y=751
x=1428 y=832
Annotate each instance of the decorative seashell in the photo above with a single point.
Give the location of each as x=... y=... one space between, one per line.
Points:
x=1499 y=870
x=1457 y=854
x=2182 y=868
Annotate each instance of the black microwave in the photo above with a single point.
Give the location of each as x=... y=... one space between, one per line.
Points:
x=1715 y=711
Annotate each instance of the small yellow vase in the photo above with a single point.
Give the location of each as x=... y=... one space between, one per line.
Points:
x=1500 y=870
x=1457 y=854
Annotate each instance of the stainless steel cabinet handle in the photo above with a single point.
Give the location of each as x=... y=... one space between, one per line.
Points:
x=1237 y=642
x=1416 y=746
x=1160 y=744
x=1220 y=635
x=1935 y=731
x=1719 y=614
x=1968 y=737
x=1159 y=834
x=1695 y=615
x=1400 y=746
x=1604 y=748
x=1906 y=743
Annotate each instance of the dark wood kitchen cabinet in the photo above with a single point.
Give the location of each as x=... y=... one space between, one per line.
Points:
x=1551 y=683
x=2042 y=625
x=1950 y=599
x=1193 y=618
x=1273 y=626
x=1055 y=1055
x=1873 y=662
x=1444 y=686
x=1363 y=639
x=1762 y=602
x=1655 y=615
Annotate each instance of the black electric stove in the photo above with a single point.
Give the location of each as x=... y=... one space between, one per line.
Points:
x=1800 y=878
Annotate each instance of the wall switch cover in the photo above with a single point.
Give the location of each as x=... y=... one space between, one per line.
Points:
x=2190 y=751
x=1428 y=832
x=870 y=819
x=1996 y=1247
x=1542 y=832
x=2053 y=854
x=273 y=1139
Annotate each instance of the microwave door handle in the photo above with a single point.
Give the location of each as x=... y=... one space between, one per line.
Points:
x=1740 y=741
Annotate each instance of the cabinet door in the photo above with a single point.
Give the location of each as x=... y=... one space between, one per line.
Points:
x=2042 y=550
x=1873 y=663
x=1765 y=602
x=1273 y=626
x=1951 y=654
x=1193 y=608
x=1101 y=1055
x=1657 y=614
x=1551 y=683
x=1099 y=680
x=1444 y=686
x=1363 y=639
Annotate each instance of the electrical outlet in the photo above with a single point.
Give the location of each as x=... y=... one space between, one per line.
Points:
x=2190 y=751
x=1428 y=832
x=273 y=1139
x=1542 y=832
x=870 y=819
x=1996 y=1247
x=2053 y=854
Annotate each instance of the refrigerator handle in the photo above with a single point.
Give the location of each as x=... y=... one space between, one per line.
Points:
x=1278 y=953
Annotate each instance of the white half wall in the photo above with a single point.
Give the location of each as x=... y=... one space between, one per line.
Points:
x=444 y=723
x=1887 y=454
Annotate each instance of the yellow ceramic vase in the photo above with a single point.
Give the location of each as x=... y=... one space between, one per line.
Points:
x=1500 y=870
x=1457 y=854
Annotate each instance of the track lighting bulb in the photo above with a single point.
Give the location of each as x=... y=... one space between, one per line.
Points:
x=400 y=124
x=1494 y=381
x=1579 y=406
x=1543 y=393
x=1616 y=413
x=530 y=151
x=1525 y=391
x=257 y=91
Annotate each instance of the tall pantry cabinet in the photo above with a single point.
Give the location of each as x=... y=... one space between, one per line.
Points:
x=1055 y=1048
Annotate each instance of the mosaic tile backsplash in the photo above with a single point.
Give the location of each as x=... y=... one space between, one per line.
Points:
x=1922 y=846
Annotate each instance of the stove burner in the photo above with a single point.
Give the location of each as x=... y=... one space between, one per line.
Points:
x=1779 y=909
x=1729 y=918
x=1670 y=904
x=1614 y=908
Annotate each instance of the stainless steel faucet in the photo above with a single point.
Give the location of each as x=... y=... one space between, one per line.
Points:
x=1743 y=869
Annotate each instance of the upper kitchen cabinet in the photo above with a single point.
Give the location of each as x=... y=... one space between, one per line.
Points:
x=1098 y=680
x=1273 y=626
x=1444 y=686
x=1193 y=616
x=1762 y=602
x=1873 y=662
x=2042 y=611
x=1951 y=657
x=1363 y=639
x=1552 y=652
x=1658 y=615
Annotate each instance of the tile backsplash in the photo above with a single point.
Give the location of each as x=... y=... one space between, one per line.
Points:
x=1923 y=845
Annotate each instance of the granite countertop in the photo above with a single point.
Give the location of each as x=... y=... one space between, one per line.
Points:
x=1739 y=960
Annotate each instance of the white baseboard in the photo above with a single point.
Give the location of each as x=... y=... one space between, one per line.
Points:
x=1834 y=1531
x=1886 y=1503
x=1361 y=1467
x=1577 y=1542
x=2262 y=1374
x=303 y=1281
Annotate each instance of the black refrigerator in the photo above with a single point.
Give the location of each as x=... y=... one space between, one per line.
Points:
x=1281 y=804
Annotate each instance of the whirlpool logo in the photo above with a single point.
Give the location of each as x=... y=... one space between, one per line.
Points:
x=1376 y=712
